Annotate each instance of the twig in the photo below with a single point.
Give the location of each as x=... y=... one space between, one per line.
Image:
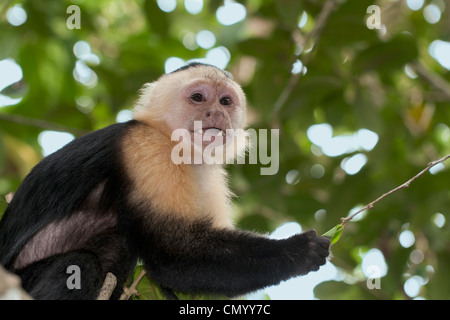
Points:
x=39 y=123
x=432 y=78
x=312 y=37
x=128 y=292
x=403 y=186
x=108 y=287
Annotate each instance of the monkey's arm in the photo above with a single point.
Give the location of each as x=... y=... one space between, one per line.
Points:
x=196 y=258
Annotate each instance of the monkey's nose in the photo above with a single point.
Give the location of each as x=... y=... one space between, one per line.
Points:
x=215 y=114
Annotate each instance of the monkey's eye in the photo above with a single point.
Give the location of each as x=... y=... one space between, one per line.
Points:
x=225 y=101
x=197 y=97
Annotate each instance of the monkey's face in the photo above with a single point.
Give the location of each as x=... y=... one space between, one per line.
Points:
x=209 y=110
x=202 y=101
x=208 y=104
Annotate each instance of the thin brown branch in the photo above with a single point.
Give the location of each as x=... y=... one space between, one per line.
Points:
x=128 y=292
x=402 y=186
x=432 y=78
x=311 y=38
x=39 y=123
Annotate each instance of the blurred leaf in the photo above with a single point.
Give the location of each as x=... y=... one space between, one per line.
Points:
x=24 y=157
x=289 y=11
x=3 y=206
x=387 y=56
x=334 y=290
x=440 y=281
x=3 y=154
x=157 y=19
x=347 y=26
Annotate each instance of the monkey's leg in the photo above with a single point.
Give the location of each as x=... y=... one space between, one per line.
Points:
x=75 y=275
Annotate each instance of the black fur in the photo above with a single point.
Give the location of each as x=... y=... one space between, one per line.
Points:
x=195 y=64
x=195 y=258
x=47 y=279
x=83 y=192
x=55 y=189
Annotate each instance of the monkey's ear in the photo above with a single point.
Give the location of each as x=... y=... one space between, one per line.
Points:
x=144 y=95
x=229 y=75
x=142 y=104
x=149 y=107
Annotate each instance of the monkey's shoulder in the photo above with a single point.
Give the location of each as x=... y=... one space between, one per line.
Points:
x=94 y=152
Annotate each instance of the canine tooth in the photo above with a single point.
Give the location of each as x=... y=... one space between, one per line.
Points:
x=220 y=133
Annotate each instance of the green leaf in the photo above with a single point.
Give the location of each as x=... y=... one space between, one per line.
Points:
x=337 y=290
x=158 y=20
x=386 y=56
x=334 y=233
x=289 y=11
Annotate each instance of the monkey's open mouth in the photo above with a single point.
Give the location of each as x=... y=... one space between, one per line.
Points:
x=208 y=135
x=211 y=131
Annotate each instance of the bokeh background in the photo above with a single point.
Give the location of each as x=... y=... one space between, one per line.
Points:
x=360 y=111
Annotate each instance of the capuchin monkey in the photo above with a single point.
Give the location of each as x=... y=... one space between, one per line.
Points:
x=114 y=196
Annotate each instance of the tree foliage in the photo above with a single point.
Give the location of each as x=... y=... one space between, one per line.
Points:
x=348 y=76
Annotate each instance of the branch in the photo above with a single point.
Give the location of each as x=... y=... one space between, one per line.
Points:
x=403 y=186
x=39 y=123
x=312 y=37
x=10 y=287
x=128 y=292
x=432 y=78
x=108 y=287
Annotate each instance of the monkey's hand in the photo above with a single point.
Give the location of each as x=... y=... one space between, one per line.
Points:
x=308 y=251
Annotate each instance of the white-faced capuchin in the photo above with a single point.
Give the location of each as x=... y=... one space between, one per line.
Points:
x=115 y=195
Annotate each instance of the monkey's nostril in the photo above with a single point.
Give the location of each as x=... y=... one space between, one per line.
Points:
x=208 y=113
